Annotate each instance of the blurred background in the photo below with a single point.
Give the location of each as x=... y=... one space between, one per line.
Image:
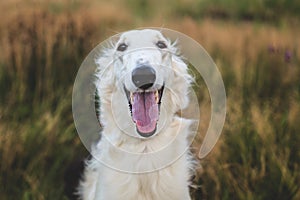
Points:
x=254 y=43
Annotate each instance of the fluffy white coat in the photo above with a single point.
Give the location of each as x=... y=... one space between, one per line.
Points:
x=126 y=166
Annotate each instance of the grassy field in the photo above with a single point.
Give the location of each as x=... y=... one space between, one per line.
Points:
x=255 y=44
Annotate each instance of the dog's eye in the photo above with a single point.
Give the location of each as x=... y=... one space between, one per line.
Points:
x=161 y=45
x=122 y=47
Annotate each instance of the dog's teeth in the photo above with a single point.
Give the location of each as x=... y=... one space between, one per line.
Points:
x=131 y=97
x=156 y=96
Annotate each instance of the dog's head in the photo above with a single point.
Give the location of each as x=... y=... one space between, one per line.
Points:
x=143 y=82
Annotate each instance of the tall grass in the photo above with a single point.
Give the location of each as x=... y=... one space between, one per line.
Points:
x=271 y=11
x=258 y=157
x=42 y=45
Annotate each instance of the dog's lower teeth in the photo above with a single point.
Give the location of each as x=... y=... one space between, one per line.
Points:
x=131 y=97
x=156 y=96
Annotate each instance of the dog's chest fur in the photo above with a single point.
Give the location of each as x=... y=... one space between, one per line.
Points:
x=169 y=182
x=165 y=183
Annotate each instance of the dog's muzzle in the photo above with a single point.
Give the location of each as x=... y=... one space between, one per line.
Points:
x=144 y=103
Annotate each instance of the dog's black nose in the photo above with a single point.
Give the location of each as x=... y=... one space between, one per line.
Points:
x=143 y=77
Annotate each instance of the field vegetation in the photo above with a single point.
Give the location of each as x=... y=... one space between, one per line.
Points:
x=255 y=44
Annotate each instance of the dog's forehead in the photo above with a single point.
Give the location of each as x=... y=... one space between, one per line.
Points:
x=140 y=38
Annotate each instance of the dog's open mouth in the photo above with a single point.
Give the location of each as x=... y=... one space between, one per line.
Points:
x=144 y=107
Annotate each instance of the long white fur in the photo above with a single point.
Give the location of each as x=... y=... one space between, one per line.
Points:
x=119 y=136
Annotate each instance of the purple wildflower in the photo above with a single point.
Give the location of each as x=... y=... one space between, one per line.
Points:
x=287 y=56
x=271 y=48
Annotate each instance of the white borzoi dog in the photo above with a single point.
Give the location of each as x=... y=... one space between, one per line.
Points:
x=144 y=150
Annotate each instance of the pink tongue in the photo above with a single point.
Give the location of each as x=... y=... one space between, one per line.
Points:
x=145 y=111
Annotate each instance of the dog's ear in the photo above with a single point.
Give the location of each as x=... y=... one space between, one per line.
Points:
x=182 y=81
x=104 y=70
x=178 y=65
